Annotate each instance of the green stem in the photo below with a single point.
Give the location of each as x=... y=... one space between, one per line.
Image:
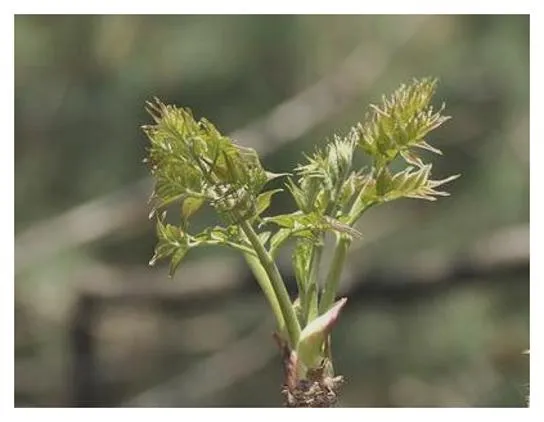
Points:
x=335 y=271
x=311 y=311
x=274 y=276
x=339 y=257
x=264 y=282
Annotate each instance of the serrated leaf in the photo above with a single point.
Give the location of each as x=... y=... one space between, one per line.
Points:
x=402 y=121
x=189 y=158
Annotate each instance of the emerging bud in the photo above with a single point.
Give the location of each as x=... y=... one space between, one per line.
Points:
x=312 y=338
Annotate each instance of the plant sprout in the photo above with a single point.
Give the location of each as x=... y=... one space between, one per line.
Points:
x=193 y=164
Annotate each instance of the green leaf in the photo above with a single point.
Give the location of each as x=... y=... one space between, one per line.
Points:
x=429 y=192
x=189 y=158
x=283 y=220
x=178 y=255
x=415 y=184
x=383 y=181
x=365 y=197
x=401 y=121
x=411 y=158
x=264 y=199
x=415 y=180
x=320 y=182
x=223 y=236
x=308 y=225
x=271 y=176
x=435 y=183
x=191 y=205
x=172 y=243
x=425 y=145
x=348 y=189
x=298 y=195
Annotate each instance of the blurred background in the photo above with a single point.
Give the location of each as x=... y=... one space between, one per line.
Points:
x=439 y=292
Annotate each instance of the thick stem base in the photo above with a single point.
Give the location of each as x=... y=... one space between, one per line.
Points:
x=316 y=388
x=321 y=392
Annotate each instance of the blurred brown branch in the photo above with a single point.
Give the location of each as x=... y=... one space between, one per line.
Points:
x=97 y=218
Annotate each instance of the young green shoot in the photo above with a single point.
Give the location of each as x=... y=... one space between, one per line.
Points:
x=193 y=164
